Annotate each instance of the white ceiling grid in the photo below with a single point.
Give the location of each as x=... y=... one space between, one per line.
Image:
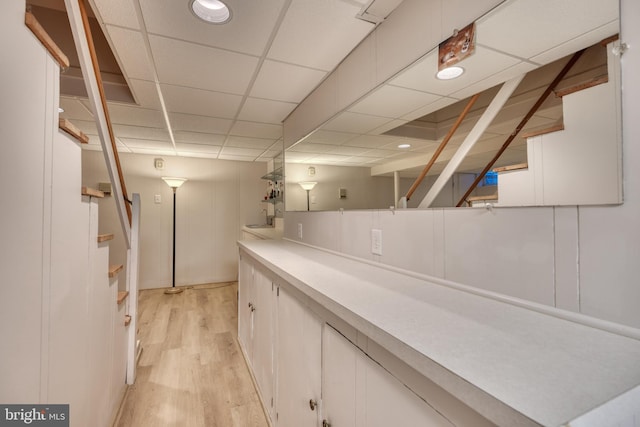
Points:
x=226 y=88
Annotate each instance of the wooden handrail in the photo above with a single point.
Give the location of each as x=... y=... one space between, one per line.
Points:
x=32 y=23
x=538 y=132
x=519 y=166
x=103 y=100
x=442 y=145
x=523 y=122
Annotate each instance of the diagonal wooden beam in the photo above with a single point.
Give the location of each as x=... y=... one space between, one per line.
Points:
x=523 y=122
x=442 y=145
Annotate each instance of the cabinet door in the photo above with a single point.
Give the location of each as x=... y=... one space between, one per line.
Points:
x=245 y=315
x=299 y=363
x=388 y=402
x=262 y=359
x=340 y=369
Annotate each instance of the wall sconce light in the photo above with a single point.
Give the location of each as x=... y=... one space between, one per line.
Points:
x=174 y=183
x=307 y=186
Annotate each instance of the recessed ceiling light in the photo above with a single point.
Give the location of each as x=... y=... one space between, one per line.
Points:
x=213 y=11
x=404 y=145
x=450 y=73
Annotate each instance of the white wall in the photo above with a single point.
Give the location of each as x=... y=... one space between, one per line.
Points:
x=583 y=259
x=58 y=307
x=219 y=198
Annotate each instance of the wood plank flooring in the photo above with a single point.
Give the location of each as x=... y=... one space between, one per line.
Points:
x=191 y=372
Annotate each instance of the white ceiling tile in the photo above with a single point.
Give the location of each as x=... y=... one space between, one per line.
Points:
x=285 y=82
x=311 y=148
x=197 y=148
x=131 y=52
x=248 y=30
x=200 y=155
x=573 y=45
x=479 y=66
x=145 y=93
x=139 y=132
x=318 y=34
x=236 y=157
x=370 y=141
x=193 y=123
x=88 y=127
x=393 y=102
x=133 y=143
x=188 y=64
x=323 y=136
x=548 y=23
x=235 y=151
x=253 y=129
x=292 y=156
x=347 y=151
x=201 y=102
x=74 y=109
x=330 y=158
x=153 y=151
x=199 y=137
x=355 y=123
x=495 y=79
x=137 y=116
x=118 y=12
x=243 y=142
x=264 y=111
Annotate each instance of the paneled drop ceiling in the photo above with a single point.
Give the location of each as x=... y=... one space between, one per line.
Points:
x=518 y=37
x=222 y=91
x=225 y=89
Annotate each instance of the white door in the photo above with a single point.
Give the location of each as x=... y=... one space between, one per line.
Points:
x=388 y=402
x=299 y=364
x=339 y=372
x=245 y=316
x=262 y=359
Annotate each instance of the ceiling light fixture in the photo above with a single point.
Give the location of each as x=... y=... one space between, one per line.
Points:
x=60 y=110
x=404 y=146
x=450 y=73
x=212 y=11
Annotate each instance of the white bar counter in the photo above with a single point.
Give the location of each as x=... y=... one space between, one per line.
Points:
x=515 y=364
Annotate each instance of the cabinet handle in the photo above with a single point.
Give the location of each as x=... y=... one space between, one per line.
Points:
x=325 y=423
x=313 y=404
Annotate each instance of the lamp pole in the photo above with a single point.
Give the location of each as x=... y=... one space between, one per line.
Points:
x=174 y=183
x=307 y=186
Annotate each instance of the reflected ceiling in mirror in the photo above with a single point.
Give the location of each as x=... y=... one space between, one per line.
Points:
x=415 y=108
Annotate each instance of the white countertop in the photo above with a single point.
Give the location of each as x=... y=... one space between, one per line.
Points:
x=523 y=364
x=264 y=232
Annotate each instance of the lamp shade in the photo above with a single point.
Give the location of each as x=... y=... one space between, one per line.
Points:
x=174 y=182
x=307 y=185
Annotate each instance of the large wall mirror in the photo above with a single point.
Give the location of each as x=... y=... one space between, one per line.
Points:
x=569 y=153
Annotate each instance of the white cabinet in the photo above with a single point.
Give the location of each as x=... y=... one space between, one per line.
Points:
x=255 y=327
x=358 y=392
x=299 y=363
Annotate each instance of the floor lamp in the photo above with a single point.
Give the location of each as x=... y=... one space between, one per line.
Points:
x=174 y=183
x=308 y=186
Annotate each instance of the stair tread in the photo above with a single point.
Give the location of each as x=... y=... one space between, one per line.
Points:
x=122 y=295
x=115 y=269
x=92 y=192
x=72 y=130
x=105 y=237
x=32 y=23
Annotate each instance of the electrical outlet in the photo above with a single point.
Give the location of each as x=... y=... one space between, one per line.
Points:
x=376 y=241
x=299 y=231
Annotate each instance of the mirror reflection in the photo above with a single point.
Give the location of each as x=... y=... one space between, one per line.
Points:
x=567 y=153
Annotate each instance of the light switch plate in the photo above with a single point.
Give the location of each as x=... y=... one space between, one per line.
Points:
x=376 y=241
x=299 y=231
x=157 y=198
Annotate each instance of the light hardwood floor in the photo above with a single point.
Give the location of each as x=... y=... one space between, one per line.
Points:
x=191 y=372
